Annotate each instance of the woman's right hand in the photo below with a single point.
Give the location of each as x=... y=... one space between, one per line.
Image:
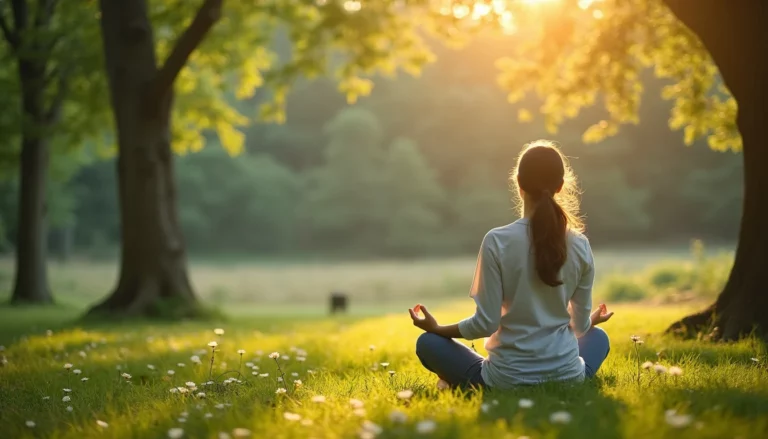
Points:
x=601 y=315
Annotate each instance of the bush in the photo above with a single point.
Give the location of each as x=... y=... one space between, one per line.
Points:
x=622 y=289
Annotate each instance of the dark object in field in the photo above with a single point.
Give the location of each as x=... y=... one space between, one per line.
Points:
x=338 y=303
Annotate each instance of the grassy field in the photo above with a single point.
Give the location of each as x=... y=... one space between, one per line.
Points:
x=347 y=391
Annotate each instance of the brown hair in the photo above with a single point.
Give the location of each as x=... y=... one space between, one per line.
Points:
x=544 y=174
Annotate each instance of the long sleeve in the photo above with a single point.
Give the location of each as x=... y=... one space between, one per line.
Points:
x=581 y=301
x=487 y=292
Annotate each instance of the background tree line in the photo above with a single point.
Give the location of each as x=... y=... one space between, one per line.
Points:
x=419 y=167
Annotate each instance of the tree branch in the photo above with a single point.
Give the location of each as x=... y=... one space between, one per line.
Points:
x=206 y=16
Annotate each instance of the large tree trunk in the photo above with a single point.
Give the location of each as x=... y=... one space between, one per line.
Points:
x=153 y=270
x=31 y=281
x=735 y=34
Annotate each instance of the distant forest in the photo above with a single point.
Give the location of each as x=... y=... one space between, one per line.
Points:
x=419 y=167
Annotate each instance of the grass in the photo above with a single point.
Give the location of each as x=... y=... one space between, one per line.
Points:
x=724 y=391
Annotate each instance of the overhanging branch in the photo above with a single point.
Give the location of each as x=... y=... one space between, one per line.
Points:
x=206 y=16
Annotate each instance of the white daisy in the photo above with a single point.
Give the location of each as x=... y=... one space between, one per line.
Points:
x=102 y=424
x=241 y=432
x=675 y=371
x=660 y=369
x=84 y=379
x=218 y=331
x=30 y=424
x=426 y=427
x=69 y=408
x=525 y=403
x=212 y=344
x=405 y=394
x=274 y=355
x=66 y=399
x=561 y=417
x=77 y=371
x=291 y=416
x=171 y=372
x=318 y=399
x=67 y=366
x=280 y=391
x=175 y=433
x=647 y=365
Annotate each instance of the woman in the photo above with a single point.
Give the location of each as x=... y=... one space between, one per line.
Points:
x=533 y=291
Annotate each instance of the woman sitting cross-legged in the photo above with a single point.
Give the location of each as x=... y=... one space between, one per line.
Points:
x=533 y=291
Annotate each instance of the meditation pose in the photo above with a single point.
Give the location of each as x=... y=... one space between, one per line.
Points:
x=533 y=291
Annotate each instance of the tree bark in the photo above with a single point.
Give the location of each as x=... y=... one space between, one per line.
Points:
x=736 y=37
x=153 y=270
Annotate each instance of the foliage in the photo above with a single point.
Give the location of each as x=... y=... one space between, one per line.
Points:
x=720 y=387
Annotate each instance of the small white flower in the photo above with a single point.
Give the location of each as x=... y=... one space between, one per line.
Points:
x=676 y=420
x=30 y=424
x=82 y=354
x=219 y=406
x=174 y=390
x=218 y=331
x=195 y=359
x=67 y=366
x=280 y=391
x=208 y=415
x=69 y=408
x=660 y=369
x=66 y=390
x=525 y=403
x=318 y=399
x=175 y=433
x=241 y=432
x=180 y=365
x=183 y=390
x=84 y=379
x=426 y=427
x=102 y=424
x=675 y=371
x=223 y=435
x=171 y=372
x=212 y=344
x=263 y=375
x=384 y=365
x=372 y=427
x=561 y=417
x=200 y=395
x=356 y=403
x=77 y=371
x=285 y=357
x=294 y=374
x=372 y=347
x=635 y=339
x=66 y=399
x=274 y=355
x=398 y=417
x=755 y=360
x=241 y=351
x=151 y=366
x=297 y=383
x=190 y=384
x=405 y=394
x=391 y=372
x=485 y=407
x=301 y=359
x=126 y=376
x=647 y=365
x=291 y=416
x=279 y=379
x=46 y=398
x=182 y=420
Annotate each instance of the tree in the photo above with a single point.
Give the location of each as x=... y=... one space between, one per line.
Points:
x=197 y=66
x=52 y=48
x=588 y=49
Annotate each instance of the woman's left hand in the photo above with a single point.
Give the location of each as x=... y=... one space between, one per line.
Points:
x=427 y=323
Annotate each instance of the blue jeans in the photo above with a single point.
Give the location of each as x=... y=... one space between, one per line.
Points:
x=461 y=366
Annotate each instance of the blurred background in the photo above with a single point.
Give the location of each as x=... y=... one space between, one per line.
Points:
x=387 y=200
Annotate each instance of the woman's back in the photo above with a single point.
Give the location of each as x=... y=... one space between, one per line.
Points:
x=533 y=339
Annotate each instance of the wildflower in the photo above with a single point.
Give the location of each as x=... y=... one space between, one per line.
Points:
x=310 y=371
x=755 y=360
x=279 y=379
x=174 y=390
x=426 y=427
x=280 y=391
x=274 y=355
x=66 y=390
x=647 y=365
x=241 y=351
x=46 y=398
x=636 y=339
x=82 y=354
x=200 y=395
x=219 y=406
x=660 y=369
x=180 y=365
x=356 y=403
x=223 y=435
x=405 y=394
x=285 y=357
x=301 y=359
x=675 y=371
x=190 y=384
x=208 y=415
x=525 y=403
x=175 y=433
x=30 y=424
x=212 y=344
x=126 y=376
x=171 y=372
x=84 y=379
x=218 y=331
x=151 y=366
x=297 y=383
x=485 y=407
x=372 y=427
x=384 y=365
x=68 y=366
x=102 y=424
x=66 y=399
x=195 y=359
x=183 y=390
x=676 y=420
x=561 y=417
x=391 y=373
x=69 y=408
x=77 y=371
x=291 y=416
x=182 y=420
x=372 y=347
x=318 y=399
x=398 y=417
x=241 y=432
x=495 y=402
x=294 y=374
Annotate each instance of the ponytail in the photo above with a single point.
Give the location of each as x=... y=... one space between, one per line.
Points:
x=549 y=224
